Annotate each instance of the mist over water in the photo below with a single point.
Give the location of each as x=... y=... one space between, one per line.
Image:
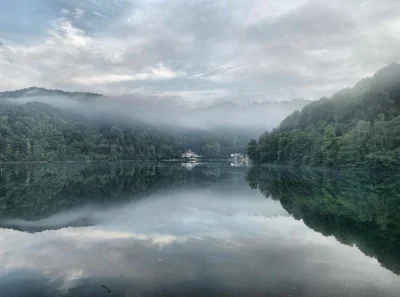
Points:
x=158 y=230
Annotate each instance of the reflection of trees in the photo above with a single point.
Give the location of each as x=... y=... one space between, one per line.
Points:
x=356 y=208
x=33 y=191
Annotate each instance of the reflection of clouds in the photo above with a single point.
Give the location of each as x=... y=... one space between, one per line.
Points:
x=235 y=242
x=94 y=234
x=193 y=213
x=282 y=252
x=69 y=279
x=183 y=212
x=68 y=255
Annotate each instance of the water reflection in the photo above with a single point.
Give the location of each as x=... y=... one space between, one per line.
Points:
x=163 y=230
x=35 y=191
x=358 y=208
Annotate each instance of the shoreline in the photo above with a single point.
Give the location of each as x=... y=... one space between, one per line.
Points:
x=116 y=161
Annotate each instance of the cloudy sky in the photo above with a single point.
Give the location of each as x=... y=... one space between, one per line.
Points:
x=197 y=49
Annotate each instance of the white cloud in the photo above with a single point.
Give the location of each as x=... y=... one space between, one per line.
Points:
x=78 y=13
x=100 y=14
x=162 y=72
x=102 y=79
x=159 y=72
x=284 y=49
x=65 y=33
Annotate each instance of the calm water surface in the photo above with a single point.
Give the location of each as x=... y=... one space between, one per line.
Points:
x=210 y=230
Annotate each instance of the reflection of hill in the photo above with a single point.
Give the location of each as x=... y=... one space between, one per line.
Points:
x=34 y=191
x=357 y=208
x=33 y=227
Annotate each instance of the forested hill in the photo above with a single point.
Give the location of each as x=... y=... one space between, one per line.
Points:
x=36 y=131
x=359 y=126
x=35 y=91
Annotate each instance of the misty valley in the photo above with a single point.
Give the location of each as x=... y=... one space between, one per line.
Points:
x=355 y=127
x=51 y=125
x=200 y=148
x=147 y=196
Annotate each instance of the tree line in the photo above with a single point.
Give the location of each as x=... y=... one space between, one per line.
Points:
x=355 y=127
x=36 y=131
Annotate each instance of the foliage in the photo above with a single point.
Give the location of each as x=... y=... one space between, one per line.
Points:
x=358 y=208
x=355 y=127
x=39 y=132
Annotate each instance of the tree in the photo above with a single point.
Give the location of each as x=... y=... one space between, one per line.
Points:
x=213 y=149
x=252 y=150
x=329 y=146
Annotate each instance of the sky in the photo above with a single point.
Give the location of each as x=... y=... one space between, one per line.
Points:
x=197 y=50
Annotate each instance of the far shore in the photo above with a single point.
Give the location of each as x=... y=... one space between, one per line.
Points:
x=184 y=160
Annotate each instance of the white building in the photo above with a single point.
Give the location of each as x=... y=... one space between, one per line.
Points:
x=189 y=154
x=237 y=156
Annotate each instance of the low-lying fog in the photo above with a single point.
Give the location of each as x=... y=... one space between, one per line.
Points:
x=254 y=117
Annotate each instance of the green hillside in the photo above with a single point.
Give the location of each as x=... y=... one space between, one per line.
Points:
x=40 y=132
x=359 y=126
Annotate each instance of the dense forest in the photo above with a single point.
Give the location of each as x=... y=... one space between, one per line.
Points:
x=359 y=126
x=36 y=131
x=358 y=208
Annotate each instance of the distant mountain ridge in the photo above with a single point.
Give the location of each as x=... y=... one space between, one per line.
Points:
x=297 y=103
x=35 y=91
x=252 y=116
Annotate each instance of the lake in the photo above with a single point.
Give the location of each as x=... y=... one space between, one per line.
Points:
x=212 y=229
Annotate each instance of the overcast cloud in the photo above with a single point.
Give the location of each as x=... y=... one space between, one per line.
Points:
x=199 y=50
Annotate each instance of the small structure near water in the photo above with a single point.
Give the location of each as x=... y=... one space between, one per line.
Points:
x=237 y=156
x=239 y=160
x=189 y=154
